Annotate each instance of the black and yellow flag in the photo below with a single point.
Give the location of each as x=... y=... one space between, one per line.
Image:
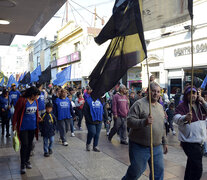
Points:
x=126 y=49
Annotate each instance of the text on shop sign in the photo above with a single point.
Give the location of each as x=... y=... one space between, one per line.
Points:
x=199 y=48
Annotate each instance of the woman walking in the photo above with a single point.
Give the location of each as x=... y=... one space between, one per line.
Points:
x=79 y=102
x=5 y=102
x=93 y=112
x=25 y=122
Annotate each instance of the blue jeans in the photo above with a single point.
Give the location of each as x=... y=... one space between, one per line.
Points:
x=63 y=127
x=205 y=147
x=93 y=133
x=45 y=143
x=139 y=157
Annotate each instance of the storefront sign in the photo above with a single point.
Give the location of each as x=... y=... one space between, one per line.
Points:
x=61 y=61
x=75 y=56
x=199 y=48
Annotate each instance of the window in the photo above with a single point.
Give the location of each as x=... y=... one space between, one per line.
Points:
x=77 y=46
x=54 y=57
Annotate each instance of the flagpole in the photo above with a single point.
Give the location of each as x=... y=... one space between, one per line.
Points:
x=150 y=113
x=192 y=66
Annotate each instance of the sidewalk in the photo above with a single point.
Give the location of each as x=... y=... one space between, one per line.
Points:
x=74 y=163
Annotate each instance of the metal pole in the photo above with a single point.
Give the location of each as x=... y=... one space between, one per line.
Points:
x=151 y=132
x=192 y=65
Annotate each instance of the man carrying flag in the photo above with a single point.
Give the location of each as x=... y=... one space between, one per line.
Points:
x=139 y=122
x=192 y=131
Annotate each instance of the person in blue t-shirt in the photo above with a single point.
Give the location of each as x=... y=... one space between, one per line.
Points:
x=25 y=122
x=14 y=95
x=64 y=113
x=41 y=99
x=93 y=112
x=5 y=111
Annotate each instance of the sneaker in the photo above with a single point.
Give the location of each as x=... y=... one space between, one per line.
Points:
x=50 y=151
x=107 y=133
x=46 y=154
x=88 y=147
x=32 y=153
x=124 y=142
x=72 y=134
x=80 y=128
x=28 y=165
x=65 y=144
x=174 y=133
x=96 y=149
x=23 y=170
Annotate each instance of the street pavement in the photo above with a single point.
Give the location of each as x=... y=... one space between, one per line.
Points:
x=75 y=163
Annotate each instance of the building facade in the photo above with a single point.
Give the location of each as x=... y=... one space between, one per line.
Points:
x=75 y=46
x=13 y=60
x=42 y=54
x=169 y=55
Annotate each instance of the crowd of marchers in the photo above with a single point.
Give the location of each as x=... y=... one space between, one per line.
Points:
x=122 y=111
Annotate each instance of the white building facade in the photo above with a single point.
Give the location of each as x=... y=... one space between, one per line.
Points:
x=169 y=55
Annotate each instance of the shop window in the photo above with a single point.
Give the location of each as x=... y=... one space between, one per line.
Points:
x=174 y=85
x=157 y=76
x=199 y=76
x=77 y=46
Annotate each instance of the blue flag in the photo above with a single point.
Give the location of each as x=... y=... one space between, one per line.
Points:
x=35 y=74
x=63 y=77
x=204 y=83
x=2 y=81
x=11 y=81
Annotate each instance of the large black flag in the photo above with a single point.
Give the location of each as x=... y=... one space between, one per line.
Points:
x=26 y=79
x=126 y=49
x=45 y=76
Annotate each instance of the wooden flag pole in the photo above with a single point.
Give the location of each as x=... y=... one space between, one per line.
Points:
x=150 y=113
x=192 y=65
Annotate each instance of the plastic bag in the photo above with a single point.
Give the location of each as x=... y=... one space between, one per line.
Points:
x=16 y=143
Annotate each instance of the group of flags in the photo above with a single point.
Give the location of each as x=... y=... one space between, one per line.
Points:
x=42 y=77
x=126 y=29
x=27 y=78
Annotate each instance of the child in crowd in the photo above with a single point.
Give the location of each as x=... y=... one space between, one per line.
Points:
x=74 y=108
x=47 y=128
x=170 y=113
x=107 y=117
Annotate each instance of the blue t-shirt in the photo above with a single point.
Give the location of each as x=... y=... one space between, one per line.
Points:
x=41 y=101
x=14 y=97
x=63 y=108
x=29 y=121
x=4 y=104
x=96 y=109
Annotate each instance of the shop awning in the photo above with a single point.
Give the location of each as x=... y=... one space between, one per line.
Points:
x=26 y=17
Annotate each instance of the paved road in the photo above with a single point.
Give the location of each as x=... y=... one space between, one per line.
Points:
x=74 y=163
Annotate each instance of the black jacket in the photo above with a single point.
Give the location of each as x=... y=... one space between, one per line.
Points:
x=48 y=125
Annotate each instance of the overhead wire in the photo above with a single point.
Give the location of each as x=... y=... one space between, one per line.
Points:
x=73 y=14
x=86 y=9
x=79 y=14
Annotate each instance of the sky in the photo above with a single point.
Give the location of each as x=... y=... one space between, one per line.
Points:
x=75 y=13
